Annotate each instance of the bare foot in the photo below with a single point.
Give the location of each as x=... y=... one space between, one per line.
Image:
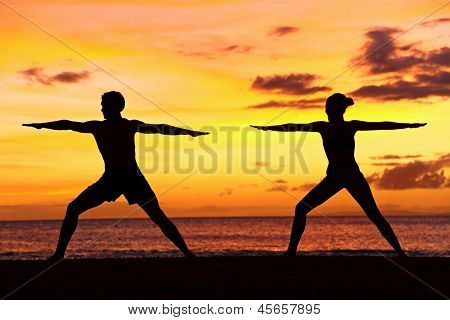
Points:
x=402 y=254
x=190 y=255
x=55 y=258
x=289 y=254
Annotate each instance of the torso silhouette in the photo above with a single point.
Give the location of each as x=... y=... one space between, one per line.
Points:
x=115 y=140
x=339 y=144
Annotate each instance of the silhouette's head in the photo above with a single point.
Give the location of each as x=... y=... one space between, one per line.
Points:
x=113 y=104
x=336 y=105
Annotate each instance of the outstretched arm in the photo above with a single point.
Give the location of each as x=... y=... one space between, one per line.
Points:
x=165 y=129
x=386 y=125
x=84 y=127
x=291 y=127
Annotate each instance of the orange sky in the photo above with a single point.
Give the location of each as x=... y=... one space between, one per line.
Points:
x=197 y=60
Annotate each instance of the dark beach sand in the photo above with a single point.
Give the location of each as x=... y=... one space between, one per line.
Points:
x=307 y=277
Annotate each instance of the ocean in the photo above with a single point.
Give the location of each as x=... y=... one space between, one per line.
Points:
x=132 y=238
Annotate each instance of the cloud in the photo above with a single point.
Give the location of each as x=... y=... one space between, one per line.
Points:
x=383 y=54
x=385 y=164
x=296 y=104
x=412 y=73
x=70 y=77
x=439 y=57
x=281 y=185
x=237 y=48
x=392 y=157
x=261 y=164
x=434 y=22
x=38 y=75
x=396 y=156
x=281 y=31
x=292 y=84
x=34 y=75
x=416 y=174
x=212 y=53
x=226 y=192
x=399 y=176
x=398 y=90
x=283 y=188
x=304 y=187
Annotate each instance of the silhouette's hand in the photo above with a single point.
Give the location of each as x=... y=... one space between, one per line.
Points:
x=260 y=127
x=198 y=133
x=33 y=125
x=417 y=125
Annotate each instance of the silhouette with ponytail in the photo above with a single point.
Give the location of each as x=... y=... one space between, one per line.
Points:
x=338 y=138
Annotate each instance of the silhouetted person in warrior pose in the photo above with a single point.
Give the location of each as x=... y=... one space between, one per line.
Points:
x=115 y=141
x=338 y=138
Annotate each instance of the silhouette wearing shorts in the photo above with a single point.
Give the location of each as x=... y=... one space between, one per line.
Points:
x=115 y=141
x=338 y=138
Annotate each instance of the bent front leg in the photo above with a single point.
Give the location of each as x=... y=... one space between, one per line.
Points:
x=85 y=201
x=318 y=195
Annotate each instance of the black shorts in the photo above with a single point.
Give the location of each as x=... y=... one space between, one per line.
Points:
x=134 y=187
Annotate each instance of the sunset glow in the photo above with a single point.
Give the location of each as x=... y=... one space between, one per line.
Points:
x=213 y=65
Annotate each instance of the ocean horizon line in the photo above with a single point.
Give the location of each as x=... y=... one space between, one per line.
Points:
x=415 y=215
